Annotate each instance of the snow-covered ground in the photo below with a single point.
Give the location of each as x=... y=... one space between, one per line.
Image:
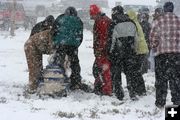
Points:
x=77 y=105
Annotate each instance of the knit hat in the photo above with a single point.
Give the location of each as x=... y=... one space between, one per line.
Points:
x=94 y=10
x=118 y=10
x=71 y=11
x=49 y=19
x=168 y=7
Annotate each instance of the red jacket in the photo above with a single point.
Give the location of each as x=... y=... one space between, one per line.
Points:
x=100 y=31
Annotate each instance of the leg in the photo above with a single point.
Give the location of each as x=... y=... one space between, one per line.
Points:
x=144 y=63
x=106 y=73
x=60 y=54
x=75 y=66
x=174 y=77
x=139 y=80
x=98 y=82
x=117 y=82
x=161 y=83
x=34 y=61
x=129 y=66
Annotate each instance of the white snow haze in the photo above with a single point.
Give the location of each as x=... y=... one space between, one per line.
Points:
x=78 y=105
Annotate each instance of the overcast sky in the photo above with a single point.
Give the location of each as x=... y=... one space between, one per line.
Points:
x=137 y=2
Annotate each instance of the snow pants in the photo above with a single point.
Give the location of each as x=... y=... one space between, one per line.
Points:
x=132 y=69
x=102 y=75
x=34 y=48
x=72 y=53
x=167 y=69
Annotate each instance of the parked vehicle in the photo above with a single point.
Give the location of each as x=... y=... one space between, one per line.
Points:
x=6 y=15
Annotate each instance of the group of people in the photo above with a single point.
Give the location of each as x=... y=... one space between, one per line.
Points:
x=120 y=44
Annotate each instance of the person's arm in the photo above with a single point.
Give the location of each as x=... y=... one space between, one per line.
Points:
x=110 y=32
x=113 y=43
x=56 y=25
x=153 y=37
x=81 y=31
x=55 y=29
x=102 y=32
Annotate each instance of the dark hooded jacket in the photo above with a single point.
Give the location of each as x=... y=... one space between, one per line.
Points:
x=42 y=26
x=119 y=34
x=68 y=29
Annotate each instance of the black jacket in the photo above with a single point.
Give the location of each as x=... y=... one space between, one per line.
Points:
x=113 y=43
x=43 y=25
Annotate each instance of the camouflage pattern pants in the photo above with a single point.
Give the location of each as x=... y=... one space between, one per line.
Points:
x=167 y=69
x=35 y=47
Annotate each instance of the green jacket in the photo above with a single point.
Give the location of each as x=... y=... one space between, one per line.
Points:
x=67 y=30
x=141 y=45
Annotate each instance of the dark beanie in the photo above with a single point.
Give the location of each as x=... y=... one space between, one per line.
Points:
x=168 y=7
x=71 y=11
x=50 y=19
x=118 y=10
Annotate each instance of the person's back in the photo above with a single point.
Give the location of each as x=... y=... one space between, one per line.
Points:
x=101 y=26
x=123 y=35
x=168 y=27
x=69 y=30
x=146 y=26
x=43 y=25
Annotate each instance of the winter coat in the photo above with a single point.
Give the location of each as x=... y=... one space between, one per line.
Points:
x=146 y=26
x=141 y=45
x=100 y=31
x=42 y=26
x=68 y=30
x=122 y=37
x=39 y=27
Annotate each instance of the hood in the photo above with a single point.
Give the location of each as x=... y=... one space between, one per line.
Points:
x=94 y=10
x=118 y=18
x=71 y=11
x=132 y=15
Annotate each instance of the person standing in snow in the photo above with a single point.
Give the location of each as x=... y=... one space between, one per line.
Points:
x=118 y=17
x=39 y=43
x=158 y=12
x=101 y=67
x=146 y=27
x=124 y=47
x=165 y=39
x=141 y=53
x=67 y=36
